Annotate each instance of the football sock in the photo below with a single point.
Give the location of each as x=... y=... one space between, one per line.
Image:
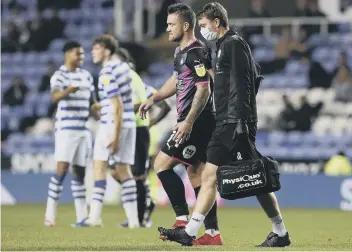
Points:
x=96 y=204
x=278 y=225
x=79 y=195
x=194 y=224
x=175 y=190
x=211 y=219
x=54 y=192
x=129 y=201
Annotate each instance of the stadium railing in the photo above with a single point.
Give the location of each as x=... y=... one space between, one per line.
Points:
x=137 y=19
x=295 y=23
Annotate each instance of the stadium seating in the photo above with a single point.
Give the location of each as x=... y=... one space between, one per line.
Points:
x=331 y=131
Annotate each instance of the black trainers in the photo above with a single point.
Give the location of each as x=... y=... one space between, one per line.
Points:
x=178 y=235
x=274 y=240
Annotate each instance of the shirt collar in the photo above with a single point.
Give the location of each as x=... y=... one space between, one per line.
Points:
x=227 y=34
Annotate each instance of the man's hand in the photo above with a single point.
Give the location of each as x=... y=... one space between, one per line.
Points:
x=57 y=95
x=72 y=89
x=182 y=132
x=114 y=145
x=95 y=109
x=145 y=106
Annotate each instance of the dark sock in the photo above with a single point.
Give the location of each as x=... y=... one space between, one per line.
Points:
x=141 y=199
x=175 y=190
x=211 y=220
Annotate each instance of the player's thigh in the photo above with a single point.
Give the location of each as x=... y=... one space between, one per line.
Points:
x=127 y=147
x=101 y=152
x=193 y=151
x=208 y=177
x=195 y=173
x=65 y=146
x=171 y=154
x=164 y=161
x=141 y=153
x=82 y=153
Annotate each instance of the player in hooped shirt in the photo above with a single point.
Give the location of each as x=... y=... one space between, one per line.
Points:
x=116 y=136
x=195 y=123
x=72 y=87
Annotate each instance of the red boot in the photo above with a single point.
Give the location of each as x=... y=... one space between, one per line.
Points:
x=207 y=239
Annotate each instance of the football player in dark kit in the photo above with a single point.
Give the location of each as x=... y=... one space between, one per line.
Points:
x=236 y=82
x=195 y=123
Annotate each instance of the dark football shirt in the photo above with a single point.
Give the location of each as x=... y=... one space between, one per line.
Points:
x=191 y=65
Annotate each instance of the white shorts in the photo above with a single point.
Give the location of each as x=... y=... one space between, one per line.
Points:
x=127 y=142
x=73 y=147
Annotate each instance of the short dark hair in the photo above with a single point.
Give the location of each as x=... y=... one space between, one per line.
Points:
x=214 y=10
x=70 y=45
x=185 y=13
x=108 y=41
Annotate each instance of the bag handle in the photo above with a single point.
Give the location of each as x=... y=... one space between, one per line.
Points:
x=237 y=137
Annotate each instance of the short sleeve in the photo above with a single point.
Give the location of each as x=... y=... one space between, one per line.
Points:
x=198 y=63
x=110 y=85
x=57 y=82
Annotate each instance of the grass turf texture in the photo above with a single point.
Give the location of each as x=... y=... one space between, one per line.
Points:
x=22 y=229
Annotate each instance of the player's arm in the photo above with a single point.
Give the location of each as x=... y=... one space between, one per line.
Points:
x=112 y=89
x=239 y=76
x=166 y=91
x=199 y=101
x=198 y=64
x=200 y=67
x=117 y=110
x=165 y=108
x=57 y=90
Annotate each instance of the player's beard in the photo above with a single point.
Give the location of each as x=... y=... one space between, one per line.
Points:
x=179 y=38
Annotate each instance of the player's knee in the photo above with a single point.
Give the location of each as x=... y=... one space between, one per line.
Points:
x=194 y=176
x=124 y=171
x=115 y=175
x=163 y=162
x=79 y=172
x=62 y=168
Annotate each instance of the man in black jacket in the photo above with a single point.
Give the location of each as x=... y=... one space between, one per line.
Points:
x=235 y=86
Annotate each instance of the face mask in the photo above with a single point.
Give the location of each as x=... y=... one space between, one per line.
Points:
x=208 y=35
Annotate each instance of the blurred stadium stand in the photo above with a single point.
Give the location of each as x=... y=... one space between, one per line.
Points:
x=329 y=128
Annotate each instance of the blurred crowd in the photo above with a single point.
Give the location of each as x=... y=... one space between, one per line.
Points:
x=35 y=35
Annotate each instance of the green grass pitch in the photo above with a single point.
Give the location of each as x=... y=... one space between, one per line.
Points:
x=22 y=229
